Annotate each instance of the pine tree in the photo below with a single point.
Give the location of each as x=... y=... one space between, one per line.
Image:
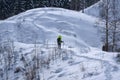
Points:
x=17 y=8
x=37 y=3
x=3 y=9
x=29 y=4
x=11 y=7
x=75 y=4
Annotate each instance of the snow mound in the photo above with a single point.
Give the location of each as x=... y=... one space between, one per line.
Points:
x=45 y=24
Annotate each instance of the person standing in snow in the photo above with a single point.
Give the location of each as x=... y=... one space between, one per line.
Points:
x=59 y=41
x=104 y=48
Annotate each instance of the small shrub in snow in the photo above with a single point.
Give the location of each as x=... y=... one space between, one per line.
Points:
x=118 y=58
x=82 y=67
x=58 y=70
x=1 y=73
x=61 y=75
x=90 y=74
x=115 y=68
x=17 y=70
x=118 y=50
x=118 y=55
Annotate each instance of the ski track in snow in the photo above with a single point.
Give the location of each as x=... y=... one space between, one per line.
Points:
x=73 y=26
x=106 y=64
x=107 y=71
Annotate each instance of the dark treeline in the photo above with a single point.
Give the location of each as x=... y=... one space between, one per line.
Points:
x=12 y=7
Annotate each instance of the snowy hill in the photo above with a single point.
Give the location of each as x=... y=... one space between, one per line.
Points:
x=48 y=23
x=79 y=59
x=93 y=10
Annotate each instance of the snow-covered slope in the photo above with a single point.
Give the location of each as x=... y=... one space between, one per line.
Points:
x=76 y=28
x=93 y=10
x=79 y=59
x=98 y=10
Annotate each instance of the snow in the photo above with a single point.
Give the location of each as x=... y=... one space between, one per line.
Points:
x=93 y=10
x=34 y=32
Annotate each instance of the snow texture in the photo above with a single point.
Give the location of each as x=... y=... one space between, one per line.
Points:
x=35 y=31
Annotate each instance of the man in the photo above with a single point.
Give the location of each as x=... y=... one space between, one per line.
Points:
x=59 y=41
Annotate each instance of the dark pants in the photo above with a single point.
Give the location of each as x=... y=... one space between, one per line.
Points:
x=59 y=45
